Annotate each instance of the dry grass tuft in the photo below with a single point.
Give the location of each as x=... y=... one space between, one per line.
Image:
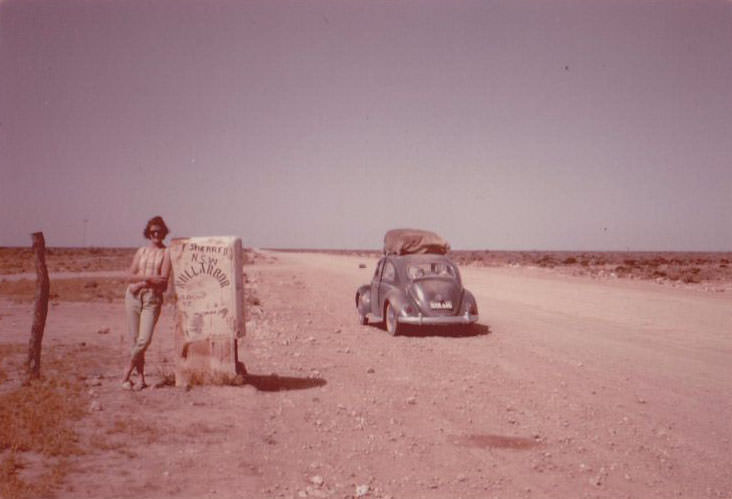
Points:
x=137 y=429
x=13 y=485
x=36 y=420
x=10 y=358
x=220 y=379
x=167 y=378
x=38 y=417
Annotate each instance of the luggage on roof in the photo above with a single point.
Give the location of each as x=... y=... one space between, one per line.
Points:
x=414 y=241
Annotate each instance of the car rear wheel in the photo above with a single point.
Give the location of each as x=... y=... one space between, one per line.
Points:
x=390 y=319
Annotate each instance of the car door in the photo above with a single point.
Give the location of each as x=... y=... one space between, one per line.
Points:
x=375 y=308
x=386 y=282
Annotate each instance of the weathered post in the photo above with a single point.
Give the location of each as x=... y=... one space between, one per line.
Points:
x=207 y=275
x=40 y=307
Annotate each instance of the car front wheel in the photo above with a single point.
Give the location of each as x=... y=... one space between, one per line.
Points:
x=392 y=324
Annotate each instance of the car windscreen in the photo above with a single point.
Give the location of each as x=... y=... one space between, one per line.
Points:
x=430 y=269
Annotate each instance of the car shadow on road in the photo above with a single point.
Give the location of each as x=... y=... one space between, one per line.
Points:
x=446 y=331
x=275 y=383
x=443 y=331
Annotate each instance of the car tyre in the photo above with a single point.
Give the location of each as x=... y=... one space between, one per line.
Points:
x=362 y=319
x=390 y=320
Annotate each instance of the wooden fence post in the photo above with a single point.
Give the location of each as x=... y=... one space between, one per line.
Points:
x=40 y=307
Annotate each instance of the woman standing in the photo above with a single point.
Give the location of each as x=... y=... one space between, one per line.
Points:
x=148 y=278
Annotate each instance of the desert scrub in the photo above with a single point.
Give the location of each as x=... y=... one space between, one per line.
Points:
x=79 y=290
x=21 y=259
x=38 y=418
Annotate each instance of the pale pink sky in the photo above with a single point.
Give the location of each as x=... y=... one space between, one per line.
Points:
x=552 y=124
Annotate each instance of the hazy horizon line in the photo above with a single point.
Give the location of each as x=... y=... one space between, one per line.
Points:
x=379 y=250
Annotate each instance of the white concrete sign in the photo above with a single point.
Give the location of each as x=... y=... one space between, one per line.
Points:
x=207 y=276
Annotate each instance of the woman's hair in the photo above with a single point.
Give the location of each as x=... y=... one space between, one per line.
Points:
x=157 y=220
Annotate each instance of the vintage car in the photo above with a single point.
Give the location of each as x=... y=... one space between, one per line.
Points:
x=418 y=285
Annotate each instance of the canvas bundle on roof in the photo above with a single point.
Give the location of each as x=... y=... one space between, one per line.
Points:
x=414 y=241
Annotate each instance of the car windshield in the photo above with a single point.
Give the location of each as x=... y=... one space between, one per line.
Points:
x=430 y=269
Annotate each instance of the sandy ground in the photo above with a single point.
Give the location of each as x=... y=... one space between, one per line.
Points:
x=570 y=387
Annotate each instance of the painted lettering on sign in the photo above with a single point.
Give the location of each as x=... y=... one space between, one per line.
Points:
x=209 y=250
x=205 y=261
x=202 y=268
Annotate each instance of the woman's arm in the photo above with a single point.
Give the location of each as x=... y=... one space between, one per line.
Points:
x=133 y=276
x=136 y=281
x=161 y=280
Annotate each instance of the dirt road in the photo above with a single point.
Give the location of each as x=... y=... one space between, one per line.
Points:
x=571 y=387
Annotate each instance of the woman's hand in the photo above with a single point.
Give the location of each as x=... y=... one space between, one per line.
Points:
x=136 y=287
x=157 y=280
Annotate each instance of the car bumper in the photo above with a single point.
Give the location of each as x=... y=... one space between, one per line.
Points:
x=442 y=320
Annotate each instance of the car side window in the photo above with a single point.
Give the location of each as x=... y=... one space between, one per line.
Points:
x=389 y=272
